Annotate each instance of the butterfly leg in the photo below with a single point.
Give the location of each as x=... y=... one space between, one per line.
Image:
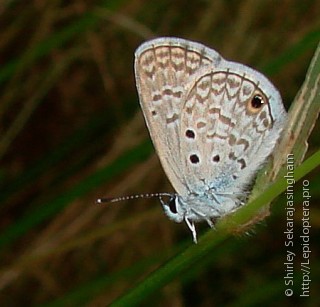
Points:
x=193 y=229
x=210 y=223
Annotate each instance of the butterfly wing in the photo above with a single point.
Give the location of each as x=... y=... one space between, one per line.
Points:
x=231 y=120
x=163 y=70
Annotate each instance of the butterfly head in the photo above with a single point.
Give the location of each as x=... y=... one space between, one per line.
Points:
x=173 y=209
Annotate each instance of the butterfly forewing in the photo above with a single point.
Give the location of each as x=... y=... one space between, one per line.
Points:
x=165 y=70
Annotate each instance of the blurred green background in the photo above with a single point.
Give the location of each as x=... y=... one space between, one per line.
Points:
x=72 y=131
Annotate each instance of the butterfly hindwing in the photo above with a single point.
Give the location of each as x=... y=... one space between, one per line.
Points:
x=224 y=138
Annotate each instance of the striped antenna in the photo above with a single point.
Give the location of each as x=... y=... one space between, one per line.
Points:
x=123 y=198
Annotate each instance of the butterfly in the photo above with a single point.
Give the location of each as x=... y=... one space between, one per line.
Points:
x=213 y=124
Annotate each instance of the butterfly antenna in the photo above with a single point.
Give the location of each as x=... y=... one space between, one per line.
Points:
x=131 y=197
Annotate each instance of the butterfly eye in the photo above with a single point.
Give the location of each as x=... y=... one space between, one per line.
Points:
x=256 y=103
x=172 y=205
